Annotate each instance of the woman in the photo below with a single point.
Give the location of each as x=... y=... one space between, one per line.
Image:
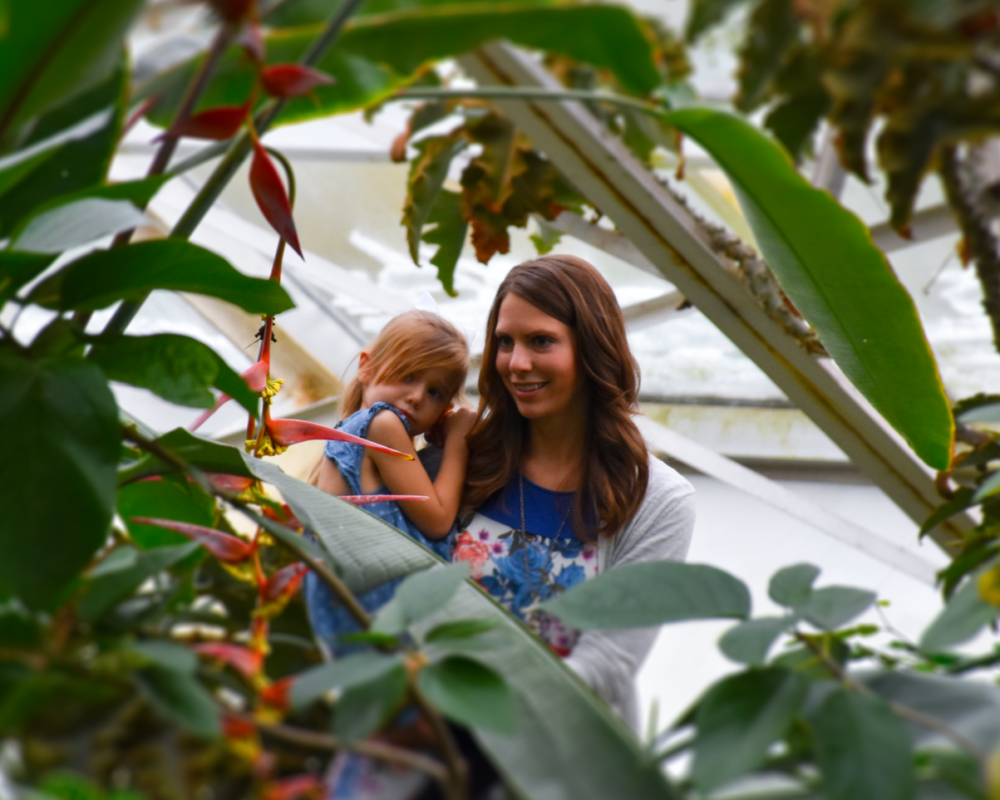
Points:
x=562 y=482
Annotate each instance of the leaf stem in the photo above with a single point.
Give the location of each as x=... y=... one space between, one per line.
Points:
x=906 y=712
x=240 y=147
x=456 y=787
x=374 y=749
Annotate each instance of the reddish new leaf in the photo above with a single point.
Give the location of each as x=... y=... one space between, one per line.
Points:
x=229 y=483
x=286 y=432
x=244 y=660
x=284 y=582
x=217 y=124
x=365 y=499
x=226 y=548
x=269 y=192
x=291 y=80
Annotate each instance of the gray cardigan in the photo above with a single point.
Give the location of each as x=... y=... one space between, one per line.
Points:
x=608 y=660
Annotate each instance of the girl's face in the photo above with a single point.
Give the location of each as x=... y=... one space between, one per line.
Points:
x=536 y=359
x=422 y=396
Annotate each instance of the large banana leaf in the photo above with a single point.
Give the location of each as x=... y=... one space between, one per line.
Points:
x=568 y=745
x=376 y=55
x=827 y=264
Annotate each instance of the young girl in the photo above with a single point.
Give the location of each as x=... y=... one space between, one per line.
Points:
x=407 y=380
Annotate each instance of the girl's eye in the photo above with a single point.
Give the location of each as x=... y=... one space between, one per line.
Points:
x=436 y=393
x=409 y=378
x=505 y=342
x=543 y=341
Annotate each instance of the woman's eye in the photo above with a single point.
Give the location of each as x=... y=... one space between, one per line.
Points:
x=505 y=342
x=543 y=341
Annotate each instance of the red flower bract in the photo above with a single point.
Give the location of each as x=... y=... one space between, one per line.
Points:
x=246 y=661
x=293 y=788
x=269 y=192
x=284 y=582
x=287 y=432
x=291 y=80
x=225 y=547
x=365 y=499
x=216 y=124
x=276 y=694
x=255 y=377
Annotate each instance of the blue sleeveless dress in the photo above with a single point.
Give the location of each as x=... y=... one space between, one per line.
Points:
x=330 y=620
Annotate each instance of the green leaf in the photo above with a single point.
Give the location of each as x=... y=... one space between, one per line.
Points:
x=863 y=749
x=792 y=586
x=127 y=273
x=739 y=719
x=118 y=559
x=832 y=606
x=449 y=233
x=59 y=51
x=62 y=436
x=985 y=413
x=341 y=674
x=166 y=655
x=82 y=216
x=164 y=499
x=375 y=56
x=367 y=705
x=965 y=616
x=419 y=596
x=14 y=170
x=84 y=133
x=772 y=29
x=749 y=642
x=842 y=284
x=987 y=488
x=428 y=171
x=75 y=224
x=552 y=704
x=964 y=498
x=180 y=697
x=203 y=453
x=458 y=629
x=653 y=593
x=103 y=593
x=177 y=368
x=17 y=269
x=705 y=14
x=469 y=692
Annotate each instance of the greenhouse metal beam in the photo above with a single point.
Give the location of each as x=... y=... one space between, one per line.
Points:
x=668 y=235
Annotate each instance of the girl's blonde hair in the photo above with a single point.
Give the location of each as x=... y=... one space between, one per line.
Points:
x=411 y=341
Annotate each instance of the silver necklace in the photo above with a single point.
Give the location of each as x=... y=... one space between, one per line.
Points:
x=536 y=589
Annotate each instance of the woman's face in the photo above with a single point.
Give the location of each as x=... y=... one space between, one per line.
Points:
x=536 y=359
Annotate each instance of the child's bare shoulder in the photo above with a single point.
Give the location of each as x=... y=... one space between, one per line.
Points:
x=386 y=424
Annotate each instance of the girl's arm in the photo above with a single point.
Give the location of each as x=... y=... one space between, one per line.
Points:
x=435 y=515
x=327 y=477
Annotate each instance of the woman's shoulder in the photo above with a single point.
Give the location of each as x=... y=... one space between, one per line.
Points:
x=665 y=483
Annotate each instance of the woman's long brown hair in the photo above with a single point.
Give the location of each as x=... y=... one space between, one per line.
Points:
x=616 y=462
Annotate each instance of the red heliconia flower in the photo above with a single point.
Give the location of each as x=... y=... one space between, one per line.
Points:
x=269 y=192
x=255 y=377
x=293 y=788
x=229 y=483
x=225 y=547
x=244 y=660
x=283 y=515
x=217 y=124
x=234 y=727
x=287 y=432
x=365 y=499
x=284 y=582
x=276 y=694
x=291 y=80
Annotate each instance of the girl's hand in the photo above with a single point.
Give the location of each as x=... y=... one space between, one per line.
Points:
x=458 y=423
